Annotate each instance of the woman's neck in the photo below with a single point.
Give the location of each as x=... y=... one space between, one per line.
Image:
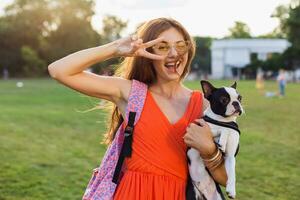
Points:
x=168 y=89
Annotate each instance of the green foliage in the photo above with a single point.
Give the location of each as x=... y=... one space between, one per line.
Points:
x=34 y=66
x=282 y=14
x=273 y=63
x=72 y=29
x=289 y=17
x=202 y=60
x=112 y=29
x=239 y=30
x=52 y=29
x=293 y=27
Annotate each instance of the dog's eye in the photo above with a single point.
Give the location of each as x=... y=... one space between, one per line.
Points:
x=224 y=100
x=239 y=98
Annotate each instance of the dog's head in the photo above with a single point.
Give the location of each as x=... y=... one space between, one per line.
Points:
x=224 y=101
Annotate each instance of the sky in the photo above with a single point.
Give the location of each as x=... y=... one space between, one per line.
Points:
x=200 y=17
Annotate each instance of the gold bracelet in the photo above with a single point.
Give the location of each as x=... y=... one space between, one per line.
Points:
x=216 y=165
x=213 y=164
x=214 y=157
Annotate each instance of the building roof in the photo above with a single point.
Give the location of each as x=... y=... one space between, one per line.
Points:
x=251 y=43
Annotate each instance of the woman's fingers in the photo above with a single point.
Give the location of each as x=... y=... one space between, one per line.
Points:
x=153 y=42
x=138 y=48
x=201 y=122
x=151 y=55
x=134 y=37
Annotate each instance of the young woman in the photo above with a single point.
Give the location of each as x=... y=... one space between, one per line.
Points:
x=159 y=56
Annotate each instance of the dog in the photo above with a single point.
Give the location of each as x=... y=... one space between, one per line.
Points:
x=225 y=107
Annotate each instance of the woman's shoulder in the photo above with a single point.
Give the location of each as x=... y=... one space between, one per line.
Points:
x=199 y=98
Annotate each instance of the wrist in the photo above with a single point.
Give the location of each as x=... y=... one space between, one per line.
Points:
x=209 y=152
x=113 y=48
x=213 y=162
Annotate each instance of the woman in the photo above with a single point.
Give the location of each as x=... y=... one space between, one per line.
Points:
x=159 y=56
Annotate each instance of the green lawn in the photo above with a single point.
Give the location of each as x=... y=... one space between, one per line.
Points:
x=48 y=148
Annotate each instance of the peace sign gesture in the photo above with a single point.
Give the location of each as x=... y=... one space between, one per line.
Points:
x=133 y=46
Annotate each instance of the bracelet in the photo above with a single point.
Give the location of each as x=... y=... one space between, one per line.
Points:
x=214 y=162
x=214 y=157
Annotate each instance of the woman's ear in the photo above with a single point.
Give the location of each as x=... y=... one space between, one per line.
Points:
x=207 y=88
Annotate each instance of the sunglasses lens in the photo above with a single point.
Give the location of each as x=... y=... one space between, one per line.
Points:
x=182 y=46
x=163 y=48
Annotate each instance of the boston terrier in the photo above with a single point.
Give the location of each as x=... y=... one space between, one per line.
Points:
x=225 y=107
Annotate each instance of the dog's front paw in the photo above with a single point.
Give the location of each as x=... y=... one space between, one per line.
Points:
x=230 y=191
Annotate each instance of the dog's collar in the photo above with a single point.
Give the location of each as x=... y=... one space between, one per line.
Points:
x=231 y=125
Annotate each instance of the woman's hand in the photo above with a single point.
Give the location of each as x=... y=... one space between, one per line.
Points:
x=200 y=138
x=133 y=46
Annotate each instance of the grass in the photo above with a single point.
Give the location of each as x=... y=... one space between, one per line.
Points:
x=48 y=149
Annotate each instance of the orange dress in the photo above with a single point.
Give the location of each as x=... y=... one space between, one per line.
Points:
x=157 y=169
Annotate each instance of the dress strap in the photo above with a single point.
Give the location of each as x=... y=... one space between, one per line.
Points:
x=196 y=106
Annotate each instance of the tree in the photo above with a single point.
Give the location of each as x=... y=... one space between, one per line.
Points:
x=51 y=28
x=289 y=18
x=293 y=33
x=22 y=24
x=34 y=66
x=71 y=28
x=202 y=59
x=282 y=13
x=112 y=29
x=239 y=30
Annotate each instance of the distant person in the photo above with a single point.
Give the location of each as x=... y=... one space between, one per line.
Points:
x=5 y=74
x=260 y=83
x=281 y=80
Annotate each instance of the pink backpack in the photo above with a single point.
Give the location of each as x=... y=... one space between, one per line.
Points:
x=103 y=182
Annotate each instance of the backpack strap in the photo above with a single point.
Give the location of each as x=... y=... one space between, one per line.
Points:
x=136 y=99
x=134 y=109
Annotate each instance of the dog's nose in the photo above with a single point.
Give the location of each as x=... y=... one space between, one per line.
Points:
x=236 y=104
x=237 y=107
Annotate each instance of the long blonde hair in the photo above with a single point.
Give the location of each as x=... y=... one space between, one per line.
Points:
x=142 y=69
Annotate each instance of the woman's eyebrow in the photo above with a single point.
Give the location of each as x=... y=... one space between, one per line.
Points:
x=172 y=42
x=164 y=41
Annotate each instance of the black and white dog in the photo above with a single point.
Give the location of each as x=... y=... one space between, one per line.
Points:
x=225 y=106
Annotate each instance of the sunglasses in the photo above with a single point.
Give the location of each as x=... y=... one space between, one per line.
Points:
x=163 y=48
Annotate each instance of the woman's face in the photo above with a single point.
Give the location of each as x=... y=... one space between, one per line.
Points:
x=175 y=49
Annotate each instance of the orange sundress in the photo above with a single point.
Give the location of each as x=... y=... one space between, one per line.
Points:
x=157 y=169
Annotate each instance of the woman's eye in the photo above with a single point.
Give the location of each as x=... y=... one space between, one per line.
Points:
x=163 y=48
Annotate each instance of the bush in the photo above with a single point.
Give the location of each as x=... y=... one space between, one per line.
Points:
x=34 y=66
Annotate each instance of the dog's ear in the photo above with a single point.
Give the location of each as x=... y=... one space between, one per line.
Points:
x=234 y=85
x=207 y=88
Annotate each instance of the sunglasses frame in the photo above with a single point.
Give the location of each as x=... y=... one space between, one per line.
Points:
x=155 y=47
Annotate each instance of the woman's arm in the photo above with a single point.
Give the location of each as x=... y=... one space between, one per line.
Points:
x=200 y=138
x=70 y=72
x=219 y=174
x=70 y=69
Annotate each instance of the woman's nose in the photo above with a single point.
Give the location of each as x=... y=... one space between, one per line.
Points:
x=173 y=52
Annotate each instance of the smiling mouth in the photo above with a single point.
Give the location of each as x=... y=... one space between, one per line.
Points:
x=173 y=66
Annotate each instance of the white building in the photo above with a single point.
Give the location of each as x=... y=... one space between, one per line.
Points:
x=229 y=54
